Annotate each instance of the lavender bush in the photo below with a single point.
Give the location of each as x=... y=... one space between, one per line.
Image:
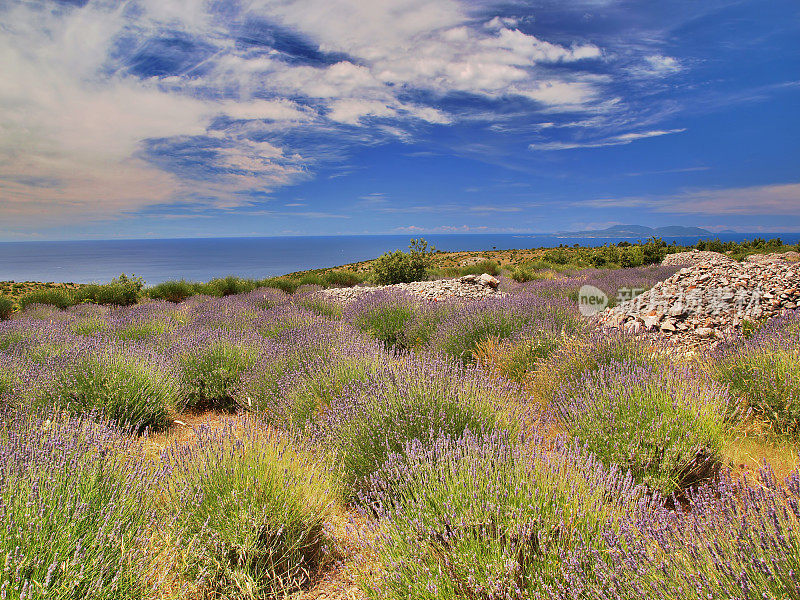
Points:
x=77 y=505
x=578 y=355
x=211 y=373
x=251 y=509
x=664 y=425
x=539 y=318
x=382 y=315
x=486 y=517
x=407 y=400
x=739 y=540
x=138 y=391
x=764 y=371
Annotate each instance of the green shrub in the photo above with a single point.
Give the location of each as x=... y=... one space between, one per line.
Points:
x=311 y=279
x=121 y=388
x=665 y=426
x=251 y=509
x=122 y=291
x=58 y=297
x=484 y=266
x=654 y=251
x=403 y=267
x=6 y=308
x=172 y=291
x=631 y=256
x=558 y=256
x=523 y=274
x=284 y=284
x=212 y=374
x=228 y=286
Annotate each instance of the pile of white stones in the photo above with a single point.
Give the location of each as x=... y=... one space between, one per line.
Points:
x=695 y=257
x=469 y=287
x=713 y=297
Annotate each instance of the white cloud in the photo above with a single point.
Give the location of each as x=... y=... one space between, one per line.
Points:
x=656 y=65
x=77 y=123
x=273 y=110
x=617 y=140
x=774 y=199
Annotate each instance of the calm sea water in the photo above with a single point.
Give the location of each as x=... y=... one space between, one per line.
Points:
x=203 y=259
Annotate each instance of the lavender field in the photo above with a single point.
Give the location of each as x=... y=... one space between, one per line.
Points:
x=266 y=445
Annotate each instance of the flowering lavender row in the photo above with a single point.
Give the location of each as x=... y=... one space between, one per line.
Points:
x=77 y=505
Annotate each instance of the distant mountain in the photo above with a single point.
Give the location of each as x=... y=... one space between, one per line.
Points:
x=638 y=232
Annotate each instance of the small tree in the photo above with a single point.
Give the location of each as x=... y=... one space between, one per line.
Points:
x=404 y=267
x=653 y=251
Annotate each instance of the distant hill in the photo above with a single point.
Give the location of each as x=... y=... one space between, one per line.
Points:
x=638 y=231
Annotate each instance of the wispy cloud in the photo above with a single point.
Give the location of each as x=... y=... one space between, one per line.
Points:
x=775 y=199
x=617 y=140
x=669 y=171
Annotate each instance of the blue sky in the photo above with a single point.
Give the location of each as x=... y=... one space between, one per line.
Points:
x=193 y=118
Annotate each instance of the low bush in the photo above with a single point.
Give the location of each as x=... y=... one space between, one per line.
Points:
x=476 y=517
x=382 y=315
x=663 y=425
x=403 y=267
x=523 y=274
x=409 y=400
x=228 y=286
x=78 y=504
x=515 y=358
x=172 y=291
x=485 y=266
x=129 y=390
x=212 y=373
x=285 y=284
x=6 y=308
x=252 y=506
x=57 y=297
x=121 y=291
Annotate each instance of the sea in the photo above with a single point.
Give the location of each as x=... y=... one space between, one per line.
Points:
x=206 y=258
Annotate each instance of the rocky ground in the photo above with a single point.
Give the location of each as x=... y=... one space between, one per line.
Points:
x=469 y=287
x=712 y=297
